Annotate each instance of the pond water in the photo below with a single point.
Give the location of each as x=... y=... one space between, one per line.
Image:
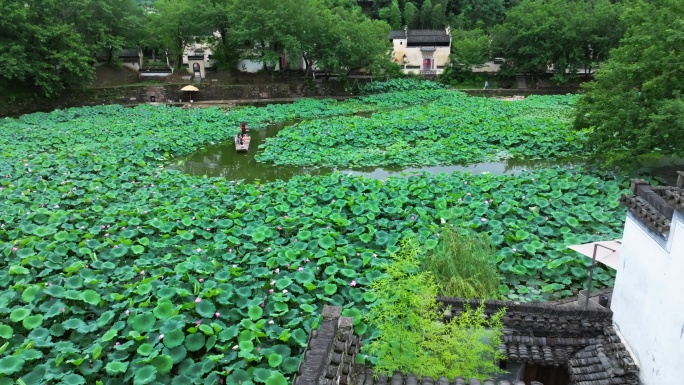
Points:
x=221 y=160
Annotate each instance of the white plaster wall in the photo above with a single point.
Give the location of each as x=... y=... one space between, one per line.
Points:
x=250 y=66
x=648 y=300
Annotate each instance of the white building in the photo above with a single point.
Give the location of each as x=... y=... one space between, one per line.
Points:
x=423 y=51
x=648 y=298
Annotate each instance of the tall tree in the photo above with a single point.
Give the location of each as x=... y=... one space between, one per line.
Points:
x=426 y=14
x=394 y=16
x=636 y=104
x=179 y=23
x=539 y=33
x=411 y=15
x=490 y=12
x=51 y=44
x=438 y=16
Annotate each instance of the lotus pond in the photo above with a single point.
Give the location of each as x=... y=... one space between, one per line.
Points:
x=119 y=271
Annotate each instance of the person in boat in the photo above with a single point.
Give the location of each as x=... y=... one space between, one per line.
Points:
x=244 y=129
x=238 y=138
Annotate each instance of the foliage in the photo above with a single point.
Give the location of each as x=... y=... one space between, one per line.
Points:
x=469 y=49
x=412 y=336
x=566 y=34
x=50 y=45
x=489 y=12
x=635 y=105
x=398 y=85
x=451 y=128
x=131 y=251
x=463 y=265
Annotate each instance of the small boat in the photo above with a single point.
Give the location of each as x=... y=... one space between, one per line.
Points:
x=244 y=146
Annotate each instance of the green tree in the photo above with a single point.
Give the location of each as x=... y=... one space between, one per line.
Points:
x=635 y=106
x=438 y=16
x=414 y=338
x=178 y=24
x=539 y=33
x=426 y=14
x=51 y=45
x=411 y=15
x=463 y=265
x=392 y=15
x=490 y=12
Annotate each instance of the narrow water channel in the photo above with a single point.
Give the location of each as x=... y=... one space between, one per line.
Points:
x=221 y=160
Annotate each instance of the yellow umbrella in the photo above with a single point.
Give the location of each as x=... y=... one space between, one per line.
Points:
x=189 y=88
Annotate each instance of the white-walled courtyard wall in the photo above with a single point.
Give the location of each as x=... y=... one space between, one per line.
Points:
x=648 y=300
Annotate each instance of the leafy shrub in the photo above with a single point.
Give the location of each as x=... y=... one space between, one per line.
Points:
x=400 y=84
x=412 y=335
x=463 y=265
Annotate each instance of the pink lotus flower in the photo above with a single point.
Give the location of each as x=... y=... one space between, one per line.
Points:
x=198 y=250
x=352 y=283
x=142 y=272
x=300 y=269
x=234 y=266
x=128 y=312
x=198 y=300
x=295 y=240
x=268 y=249
x=230 y=250
x=307 y=260
x=261 y=304
x=161 y=336
x=270 y=322
x=288 y=265
x=201 y=280
x=514 y=249
x=483 y=219
x=106 y=235
x=217 y=314
x=280 y=227
x=270 y=291
x=273 y=282
x=467 y=194
x=277 y=270
x=63 y=310
x=15 y=248
x=117 y=344
x=284 y=291
x=413 y=217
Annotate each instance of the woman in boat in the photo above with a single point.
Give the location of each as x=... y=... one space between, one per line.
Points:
x=244 y=129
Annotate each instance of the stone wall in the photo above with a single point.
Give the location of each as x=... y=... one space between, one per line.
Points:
x=162 y=93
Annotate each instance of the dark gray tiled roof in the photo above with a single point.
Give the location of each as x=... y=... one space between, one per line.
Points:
x=605 y=362
x=364 y=376
x=128 y=52
x=654 y=206
x=422 y=36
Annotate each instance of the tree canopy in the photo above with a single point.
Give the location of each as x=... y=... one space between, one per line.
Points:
x=566 y=34
x=635 y=106
x=49 y=45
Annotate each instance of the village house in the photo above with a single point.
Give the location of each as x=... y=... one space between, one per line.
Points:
x=421 y=51
x=637 y=338
x=647 y=302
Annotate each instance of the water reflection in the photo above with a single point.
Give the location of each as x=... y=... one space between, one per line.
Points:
x=221 y=160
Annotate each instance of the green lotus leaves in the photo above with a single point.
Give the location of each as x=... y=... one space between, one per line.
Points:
x=330 y=289
x=73 y=379
x=206 y=308
x=164 y=309
x=276 y=378
x=91 y=297
x=255 y=312
x=194 y=342
x=6 y=332
x=19 y=314
x=145 y=375
x=116 y=367
x=11 y=364
x=32 y=322
x=143 y=323
x=106 y=283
